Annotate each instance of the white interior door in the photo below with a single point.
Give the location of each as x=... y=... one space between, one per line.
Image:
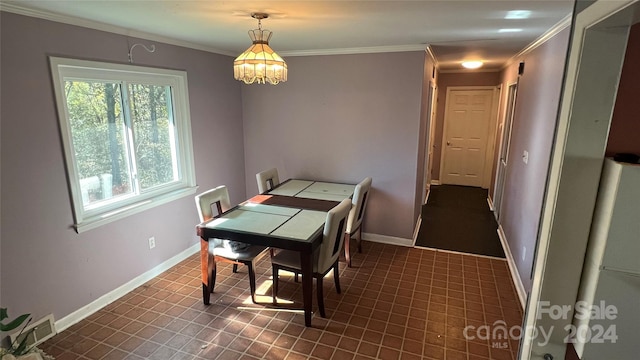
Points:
x=468 y=115
x=504 y=149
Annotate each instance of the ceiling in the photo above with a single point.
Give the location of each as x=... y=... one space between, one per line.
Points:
x=456 y=30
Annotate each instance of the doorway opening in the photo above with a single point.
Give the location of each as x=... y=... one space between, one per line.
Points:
x=456 y=215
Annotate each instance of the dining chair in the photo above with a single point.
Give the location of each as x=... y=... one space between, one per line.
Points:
x=267 y=180
x=325 y=257
x=226 y=250
x=356 y=215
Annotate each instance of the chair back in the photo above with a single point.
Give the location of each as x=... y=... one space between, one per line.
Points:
x=267 y=180
x=217 y=197
x=333 y=236
x=359 y=202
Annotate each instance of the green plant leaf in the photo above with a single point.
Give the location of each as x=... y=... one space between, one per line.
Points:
x=13 y=324
x=22 y=347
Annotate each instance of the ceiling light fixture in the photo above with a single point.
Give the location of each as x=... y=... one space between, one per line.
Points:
x=259 y=63
x=518 y=14
x=509 y=30
x=472 y=64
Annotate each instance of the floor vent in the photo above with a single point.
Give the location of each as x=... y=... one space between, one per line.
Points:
x=43 y=330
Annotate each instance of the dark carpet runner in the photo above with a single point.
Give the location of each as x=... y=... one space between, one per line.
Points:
x=458 y=218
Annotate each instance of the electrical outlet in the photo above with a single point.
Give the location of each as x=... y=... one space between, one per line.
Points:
x=524 y=252
x=525 y=157
x=152 y=242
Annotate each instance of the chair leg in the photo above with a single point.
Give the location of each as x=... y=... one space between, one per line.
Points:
x=295 y=276
x=360 y=239
x=274 y=288
x=252 y=281
x=347 y=247
x=320 y=296
x=336 y=276
x=235 y=268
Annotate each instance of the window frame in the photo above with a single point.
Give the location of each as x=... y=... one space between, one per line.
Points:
x=86 y=219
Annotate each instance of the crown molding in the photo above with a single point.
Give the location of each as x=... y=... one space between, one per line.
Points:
x=553 y=31
x=431 y=54
x=470 y=71
x=361 y=50
x=96 y=25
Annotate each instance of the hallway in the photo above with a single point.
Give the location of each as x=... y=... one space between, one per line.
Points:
x=458 y=218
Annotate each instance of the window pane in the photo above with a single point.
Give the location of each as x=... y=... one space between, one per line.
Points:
x=99 y=140
x=153 y=134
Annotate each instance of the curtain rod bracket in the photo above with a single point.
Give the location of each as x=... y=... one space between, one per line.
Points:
x=150 y=49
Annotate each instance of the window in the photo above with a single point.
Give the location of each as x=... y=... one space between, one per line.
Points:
x=127 y=137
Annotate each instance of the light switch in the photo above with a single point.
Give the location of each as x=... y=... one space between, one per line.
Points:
x=525 y=157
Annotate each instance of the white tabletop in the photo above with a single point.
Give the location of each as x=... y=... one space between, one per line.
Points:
x=271 y=220
x=249 y=221
x=344 y=190
x=321 y=196
x=291 y=187
x=269 y=209
x=315 y=190
x=303 y=225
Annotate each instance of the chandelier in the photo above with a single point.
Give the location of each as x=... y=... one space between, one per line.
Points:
x=259 y=63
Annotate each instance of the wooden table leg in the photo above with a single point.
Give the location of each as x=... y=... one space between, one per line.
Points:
x=205 y=270
x=307 y=284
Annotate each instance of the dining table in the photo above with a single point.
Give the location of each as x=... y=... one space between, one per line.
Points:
x=290 y=216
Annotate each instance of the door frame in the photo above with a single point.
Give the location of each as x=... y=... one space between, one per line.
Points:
x=503 y=149
x=596 y=55
x=430 y=147
x=491 y=132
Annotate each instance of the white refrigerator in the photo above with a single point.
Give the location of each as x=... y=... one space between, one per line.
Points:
x=606 y=322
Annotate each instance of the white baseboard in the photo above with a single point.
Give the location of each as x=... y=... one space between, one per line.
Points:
x=415 y=231
x=435 y=182
x=515 y=276
x=384 y=239
x=115 y=294
x=490 y=202
x=426 y=197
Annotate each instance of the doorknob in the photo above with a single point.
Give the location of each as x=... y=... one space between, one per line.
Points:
x=448 y=143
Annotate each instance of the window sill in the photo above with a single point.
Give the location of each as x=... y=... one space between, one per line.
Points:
x=99 y=220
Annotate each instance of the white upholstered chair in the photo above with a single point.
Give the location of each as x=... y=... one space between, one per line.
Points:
x=267 y=180
x=217 y=200
x=356 y=215
x=325 y=257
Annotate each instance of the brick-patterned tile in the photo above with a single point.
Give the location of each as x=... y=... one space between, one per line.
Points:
x=396 y=303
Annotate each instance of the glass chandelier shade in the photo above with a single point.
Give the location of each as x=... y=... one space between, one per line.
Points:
x=259 y=63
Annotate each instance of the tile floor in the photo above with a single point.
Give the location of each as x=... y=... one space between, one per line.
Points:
x=396 y=303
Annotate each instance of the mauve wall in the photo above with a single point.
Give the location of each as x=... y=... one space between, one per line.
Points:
x=46 y=266
x=446 y=80
x=532 y=130
x=624 y=135
x=342 y=118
